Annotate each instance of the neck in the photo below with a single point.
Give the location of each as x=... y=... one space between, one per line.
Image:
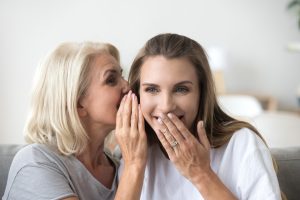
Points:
x=93 y=155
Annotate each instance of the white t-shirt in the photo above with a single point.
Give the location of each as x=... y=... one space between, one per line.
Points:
x=244 y=165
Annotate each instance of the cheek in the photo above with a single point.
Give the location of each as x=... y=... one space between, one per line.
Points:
x=147 y=106
x=192 y=108
x=189 y=104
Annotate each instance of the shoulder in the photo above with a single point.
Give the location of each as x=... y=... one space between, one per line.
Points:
x=35 y=153
x=247 y=140
x=254 y=164
x=243 y=145
x=245 y=165
x=248 y=152
x=42 y=170
x=39 y=162
x=38 y=155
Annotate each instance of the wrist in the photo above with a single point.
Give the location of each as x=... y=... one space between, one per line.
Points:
x=203 y=180
x=134 y=172
x=211 y=187
x=135 y=166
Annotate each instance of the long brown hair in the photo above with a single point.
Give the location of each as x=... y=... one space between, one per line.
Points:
x=219 y=126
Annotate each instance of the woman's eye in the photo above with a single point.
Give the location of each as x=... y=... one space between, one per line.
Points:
x=151 y=90
x=182 y=89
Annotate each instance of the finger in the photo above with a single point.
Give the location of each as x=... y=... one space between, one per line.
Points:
x=172 y=130
x=119 y=113
x=165 y=143
x=182 y=132
x=202 y=135
x=127 y=111
x=134 y=113
x=164 y=130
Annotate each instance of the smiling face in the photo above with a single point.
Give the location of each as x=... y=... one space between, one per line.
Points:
x=100 y=103
x=169 y=85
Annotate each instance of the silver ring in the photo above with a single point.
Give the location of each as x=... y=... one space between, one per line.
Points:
x=174 y=144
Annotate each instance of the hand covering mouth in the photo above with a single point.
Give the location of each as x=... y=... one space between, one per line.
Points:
x=178 y=116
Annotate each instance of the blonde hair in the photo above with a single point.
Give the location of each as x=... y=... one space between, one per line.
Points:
x=60 y=82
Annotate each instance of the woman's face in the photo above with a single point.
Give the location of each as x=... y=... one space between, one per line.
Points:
x=169 y=86
x=104 y=93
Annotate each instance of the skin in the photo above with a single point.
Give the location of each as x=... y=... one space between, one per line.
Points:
x=131 y=137
x=98 y=112
x=170 y=104
x=177 y=93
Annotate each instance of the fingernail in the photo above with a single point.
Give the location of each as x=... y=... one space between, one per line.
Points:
x=201 y=124
x=170 y=115
x=159 y=120
x=133 y=96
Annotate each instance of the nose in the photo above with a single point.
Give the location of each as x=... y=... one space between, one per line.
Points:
x=166 y=103
x=125 y=86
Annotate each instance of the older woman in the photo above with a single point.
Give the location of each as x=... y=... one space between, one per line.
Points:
x=75 y=102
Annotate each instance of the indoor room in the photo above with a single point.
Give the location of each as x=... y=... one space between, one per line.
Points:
x=253 y=49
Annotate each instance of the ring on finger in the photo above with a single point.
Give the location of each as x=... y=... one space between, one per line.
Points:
x=174 y=144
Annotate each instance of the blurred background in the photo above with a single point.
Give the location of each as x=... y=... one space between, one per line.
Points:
x=252 y=46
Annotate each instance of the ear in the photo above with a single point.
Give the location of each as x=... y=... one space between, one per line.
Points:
x=81 y=109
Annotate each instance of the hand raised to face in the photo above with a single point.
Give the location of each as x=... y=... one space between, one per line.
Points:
x=190 y=156
x=130 y=132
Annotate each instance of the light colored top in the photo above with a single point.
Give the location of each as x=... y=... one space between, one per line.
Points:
x=244 y=165
x=40 y=172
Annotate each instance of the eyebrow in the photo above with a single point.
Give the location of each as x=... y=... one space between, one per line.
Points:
x=179 y=83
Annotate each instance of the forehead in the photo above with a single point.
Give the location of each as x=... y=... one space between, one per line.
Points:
x=103 y=62
x=160 y=69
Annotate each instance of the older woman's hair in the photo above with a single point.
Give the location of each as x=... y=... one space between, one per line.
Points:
x=60 y=82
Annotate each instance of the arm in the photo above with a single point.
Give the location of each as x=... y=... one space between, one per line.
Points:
x=131 y=137
x=130 y=183
x=211 y=187
x=191 y=157
x=132 y=140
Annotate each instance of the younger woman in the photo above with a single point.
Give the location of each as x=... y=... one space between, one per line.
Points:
x=196 y=151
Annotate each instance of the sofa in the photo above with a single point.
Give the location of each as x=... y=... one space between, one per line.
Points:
x=288 y=161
